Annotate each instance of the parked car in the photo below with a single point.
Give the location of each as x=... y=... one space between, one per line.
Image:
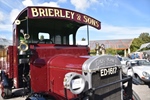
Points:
x=124 y=60
x=139 y=69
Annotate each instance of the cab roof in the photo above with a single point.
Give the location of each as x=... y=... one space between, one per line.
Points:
x=41 y=12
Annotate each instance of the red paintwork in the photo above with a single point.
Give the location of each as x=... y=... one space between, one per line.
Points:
x=58 y=67
x=10 y=62
x=14 y=56
x=51 y=64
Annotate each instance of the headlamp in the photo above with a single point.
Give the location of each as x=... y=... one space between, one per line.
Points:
x=23 y=46
x=145 y=74
x=74 y=82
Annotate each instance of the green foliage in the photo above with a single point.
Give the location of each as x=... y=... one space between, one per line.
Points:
x=111 y=51
x=114 y=51
x=92 y=52
x=83 y=39
x=120 y=52
x=136 y=43
x=145 y=37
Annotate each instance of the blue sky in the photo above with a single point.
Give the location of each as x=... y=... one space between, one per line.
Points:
x=120 y=19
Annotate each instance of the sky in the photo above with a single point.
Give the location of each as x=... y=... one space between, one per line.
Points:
x=120 y=19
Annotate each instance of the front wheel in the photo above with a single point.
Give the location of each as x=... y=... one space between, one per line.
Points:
x=135 y=96
x=7 y=93
x=127 y=96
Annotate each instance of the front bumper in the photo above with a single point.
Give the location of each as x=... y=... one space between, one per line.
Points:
x=145 y=79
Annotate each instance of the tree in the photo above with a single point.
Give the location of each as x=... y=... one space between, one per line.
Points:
x=111 y=51
x=83 y=39
x=136 y=43
x=145 y=37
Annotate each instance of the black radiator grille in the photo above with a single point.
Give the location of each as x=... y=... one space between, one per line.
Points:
x=112 y=92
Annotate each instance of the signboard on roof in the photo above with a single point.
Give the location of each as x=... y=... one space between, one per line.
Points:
x=49 y=12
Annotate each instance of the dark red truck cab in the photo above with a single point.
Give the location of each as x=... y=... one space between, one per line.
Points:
x=46 y=60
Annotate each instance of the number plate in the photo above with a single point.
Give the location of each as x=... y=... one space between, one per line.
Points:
x=108 y=71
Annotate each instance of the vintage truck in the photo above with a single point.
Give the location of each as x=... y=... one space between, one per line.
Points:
x=46 y=60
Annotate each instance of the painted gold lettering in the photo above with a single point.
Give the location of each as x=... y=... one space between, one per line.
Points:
x=61 y=14
x=41 y=11
x=56 y=13
x=85 y=19
x=67 y=14
x=79 y=17
x=50 y=12
x=97 y=24
x=90 y=21
x=72 y=15
x=46 y=12
x=34 y=12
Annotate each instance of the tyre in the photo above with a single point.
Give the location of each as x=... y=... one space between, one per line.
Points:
x=128 y=96
x=135 y=96
x=7 y=93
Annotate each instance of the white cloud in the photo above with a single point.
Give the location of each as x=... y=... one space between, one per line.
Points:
x=108 y=3
x=81 y=4
x=84 y=4
x=5 y=27
x=62 y=1
x=30 y=3
x=51 y=4
x=109 y=32
x=27 y=3
x=13 y=14
x=1 y=16
x=123 y=30
x=117 y=32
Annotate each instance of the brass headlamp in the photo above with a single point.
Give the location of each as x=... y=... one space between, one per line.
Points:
x=23 y=46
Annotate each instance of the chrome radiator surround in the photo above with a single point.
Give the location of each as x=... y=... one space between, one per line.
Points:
x=93 y=72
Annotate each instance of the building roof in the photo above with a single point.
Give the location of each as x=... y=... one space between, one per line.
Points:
x=5 y=42
x=119 y=44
